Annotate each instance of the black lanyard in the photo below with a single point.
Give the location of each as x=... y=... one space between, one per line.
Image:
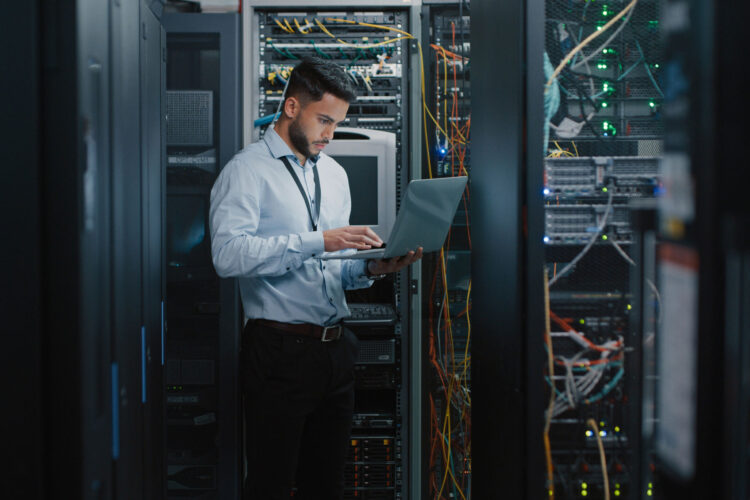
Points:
x=302 y=191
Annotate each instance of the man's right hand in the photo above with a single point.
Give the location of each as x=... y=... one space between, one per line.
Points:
x=359 y=237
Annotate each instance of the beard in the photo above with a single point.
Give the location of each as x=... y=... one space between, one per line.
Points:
x=299 y=139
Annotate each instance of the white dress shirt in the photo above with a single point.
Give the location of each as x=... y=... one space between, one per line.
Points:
x=261 y=233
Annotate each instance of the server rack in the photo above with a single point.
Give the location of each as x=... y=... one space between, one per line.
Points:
x=91 y=418
x=202 y=451
x=446 y=276
x=379 y=457
x=602 y=159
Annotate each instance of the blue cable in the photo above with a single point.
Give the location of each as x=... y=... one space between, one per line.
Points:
x=551 y=101
x=265 y=120
x=607 y=388
x=648 y=70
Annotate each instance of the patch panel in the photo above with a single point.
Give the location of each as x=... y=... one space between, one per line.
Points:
x=599 y=176
x=578 y=224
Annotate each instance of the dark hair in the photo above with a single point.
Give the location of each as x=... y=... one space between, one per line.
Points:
x=313 y=77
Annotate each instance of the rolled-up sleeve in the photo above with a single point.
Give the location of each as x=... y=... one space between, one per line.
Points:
x=233 y=218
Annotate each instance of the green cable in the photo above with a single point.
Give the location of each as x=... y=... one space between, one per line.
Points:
x=320 y=53
x=277 y=50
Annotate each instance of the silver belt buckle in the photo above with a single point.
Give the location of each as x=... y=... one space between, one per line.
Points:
x=324 y=338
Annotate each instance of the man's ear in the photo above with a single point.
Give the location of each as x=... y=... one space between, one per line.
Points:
x=291 y=107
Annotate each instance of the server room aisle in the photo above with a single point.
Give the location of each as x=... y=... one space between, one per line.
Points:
x=586 y=314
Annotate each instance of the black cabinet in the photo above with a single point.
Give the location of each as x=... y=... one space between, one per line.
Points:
x=203 y=443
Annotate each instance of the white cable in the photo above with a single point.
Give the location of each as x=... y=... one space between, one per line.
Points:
x=588 y=246
x=623 y=253
x=588 y=68
x=605 y=44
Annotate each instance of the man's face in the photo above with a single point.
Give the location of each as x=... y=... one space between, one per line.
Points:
x=315 y=123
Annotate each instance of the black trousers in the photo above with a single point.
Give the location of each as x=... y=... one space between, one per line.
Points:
x=298 y=398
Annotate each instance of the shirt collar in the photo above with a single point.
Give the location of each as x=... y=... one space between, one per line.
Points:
x=279 y=148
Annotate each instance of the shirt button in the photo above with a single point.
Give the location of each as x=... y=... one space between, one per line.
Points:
x=330 y=299
x=288 y=268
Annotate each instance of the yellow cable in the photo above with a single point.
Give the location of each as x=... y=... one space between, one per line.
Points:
x=359 y=46
x=574 y=147
x=591 y=423
x=281 y=25
x=291 y=30
x=296 y=23
x=586 y=42
x=378 y=26
x=424 y=110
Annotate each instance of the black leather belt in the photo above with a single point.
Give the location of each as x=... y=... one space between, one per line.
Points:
x=324 y=333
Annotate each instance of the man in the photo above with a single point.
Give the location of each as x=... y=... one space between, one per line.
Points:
x=276 y=206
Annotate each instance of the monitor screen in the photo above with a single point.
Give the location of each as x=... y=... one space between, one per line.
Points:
x=363 y=186
x=187 y=238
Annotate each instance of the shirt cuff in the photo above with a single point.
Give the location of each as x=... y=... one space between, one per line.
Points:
x=312 y=243
x=359 y=272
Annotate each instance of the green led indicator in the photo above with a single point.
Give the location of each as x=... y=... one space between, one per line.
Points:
x=617 y=428
x=656 y=65
x=601 y=423
x=605 y=86
x=649 y=493
x=584 y=486
x=604 y=104
x=584 y=493
x=652 y=104
x=605 y=125
x=617 y=493
x=604 y=190
x=604 y=237
x=617 y=485
x=582 y=321
x=650 y=485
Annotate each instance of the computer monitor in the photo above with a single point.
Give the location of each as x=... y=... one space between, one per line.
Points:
x=369 y=158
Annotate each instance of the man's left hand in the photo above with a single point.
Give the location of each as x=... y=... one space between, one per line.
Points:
x=385 y=266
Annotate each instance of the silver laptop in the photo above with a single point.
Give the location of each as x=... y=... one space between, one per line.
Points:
x=425 y=217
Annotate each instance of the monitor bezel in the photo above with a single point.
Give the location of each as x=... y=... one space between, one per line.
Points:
x=350 y=141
